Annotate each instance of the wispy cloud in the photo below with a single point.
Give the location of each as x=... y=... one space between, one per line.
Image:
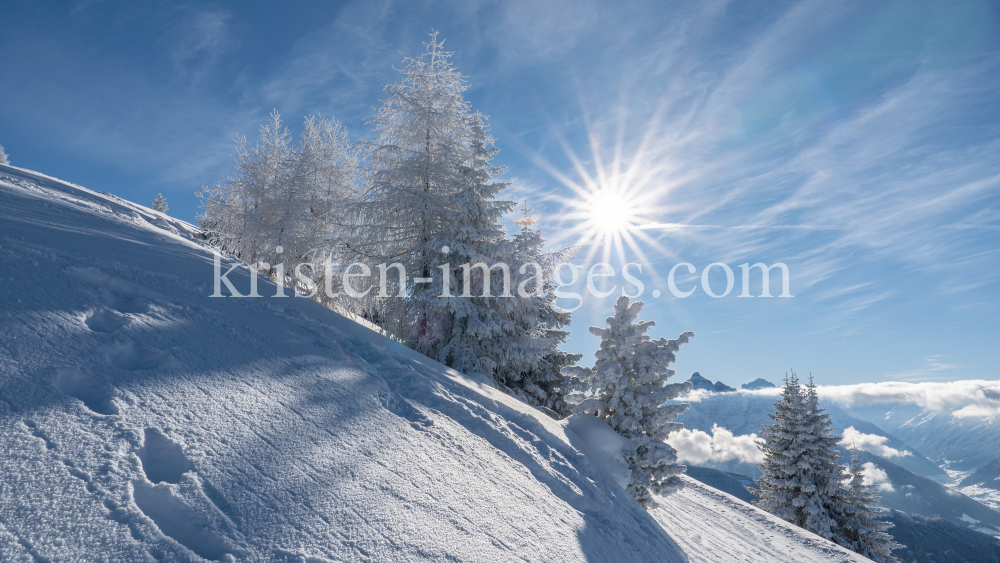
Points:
x=203 y=36
x=932 y=369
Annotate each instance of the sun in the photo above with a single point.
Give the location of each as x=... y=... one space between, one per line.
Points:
x=609 y=212
x=607 y=218
x=612 y=204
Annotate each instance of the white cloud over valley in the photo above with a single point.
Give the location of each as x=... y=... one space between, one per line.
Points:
x=875 y=475
x=698 y=447
x=871 y=443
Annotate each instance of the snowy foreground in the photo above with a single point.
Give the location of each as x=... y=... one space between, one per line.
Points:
x=141 y=420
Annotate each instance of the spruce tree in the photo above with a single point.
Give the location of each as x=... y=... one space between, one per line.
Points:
x=627 y=388
x=801 y=478
x=481 y=333
x=160 y=203
x=858 y=528
x=538 y=321
x=821 y=468
x=782 y=488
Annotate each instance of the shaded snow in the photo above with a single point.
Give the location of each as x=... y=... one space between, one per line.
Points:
x=142 y=420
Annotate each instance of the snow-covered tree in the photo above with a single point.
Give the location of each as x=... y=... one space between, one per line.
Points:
x=627 y=388
x=514 y=334
x=160 y=203
x=858 y=528
x=326 y=174
x=239 y=213
x=781 y=486
x=464 y=324
x=824 y=469
x=3 y=157
x=284 y=201
x=430 y=204
x=538 y=321
x=801 y=479
x=415 y=167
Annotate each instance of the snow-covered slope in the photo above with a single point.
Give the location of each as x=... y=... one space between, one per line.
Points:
x=711 y=525
x=142 y=420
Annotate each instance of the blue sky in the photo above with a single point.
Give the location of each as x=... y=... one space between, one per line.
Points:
x=856 y=142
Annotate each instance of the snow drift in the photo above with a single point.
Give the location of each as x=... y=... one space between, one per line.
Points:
x=144 y=421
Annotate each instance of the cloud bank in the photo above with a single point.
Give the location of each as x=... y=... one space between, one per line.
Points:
x=961 y=399
x=698 y=447
x=973 y=398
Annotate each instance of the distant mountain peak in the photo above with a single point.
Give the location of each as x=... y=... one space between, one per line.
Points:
x=700 y=382
x=759 y=383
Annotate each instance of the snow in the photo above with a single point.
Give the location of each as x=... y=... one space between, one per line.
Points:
x=711 y=525
x=604 y=448
x=144 y=421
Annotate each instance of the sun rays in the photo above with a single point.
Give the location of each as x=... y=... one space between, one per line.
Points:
x=613 y=199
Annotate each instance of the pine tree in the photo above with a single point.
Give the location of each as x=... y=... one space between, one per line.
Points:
x=627 y=388
x=858 y=528
x=160 y=203
x=3 y=157
x=801 y=479
x=781 y=486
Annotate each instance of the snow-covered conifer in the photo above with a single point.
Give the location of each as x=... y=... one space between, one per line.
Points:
x=782 y=444
x=283 y=203
x=160 y=203
x=858 y=528
x=538 y=320
x=326 y=171
x=3 y=157
x=431 y=187
x=627 y=387
x=416 y=163
x=823 y=470
x=238 y=213
x=800 y=479
x=480 y=336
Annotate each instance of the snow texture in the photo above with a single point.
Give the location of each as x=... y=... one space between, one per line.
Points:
x=144 y=421
x=711 y=525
